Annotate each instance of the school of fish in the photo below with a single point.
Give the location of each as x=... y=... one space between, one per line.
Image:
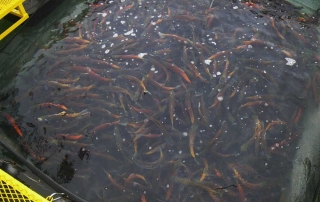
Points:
x=170 y=100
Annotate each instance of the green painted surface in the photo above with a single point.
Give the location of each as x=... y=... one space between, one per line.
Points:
x=310 y=6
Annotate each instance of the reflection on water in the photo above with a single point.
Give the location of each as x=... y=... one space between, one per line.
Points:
x=171 y=101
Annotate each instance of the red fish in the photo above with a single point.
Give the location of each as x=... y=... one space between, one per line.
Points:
x=13 y=123
x=69 y=136
x=49 y=104
x=91 y=73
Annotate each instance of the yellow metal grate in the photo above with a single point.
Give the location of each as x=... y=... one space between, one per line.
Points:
x=4 y=4
x=11 y=190
x=16 y=8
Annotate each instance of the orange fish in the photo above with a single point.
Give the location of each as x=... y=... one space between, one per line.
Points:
x=210 y=19
x=169 y=191
x=205 y=170
x=241 y=193
x=114 y=182
x=218 y=54
x=299 y=114
x=218 y=173
x=123 y=9
x=176 y=37
x=128 y=57
x=158 y=85
x=270 y=125
x=49 y=104
x=13 y=123
x=92 y=73
x=159 y=65
x=177 y=70
x=143 y=198
x=69 y=136
x=192 y=137
x=102 y=126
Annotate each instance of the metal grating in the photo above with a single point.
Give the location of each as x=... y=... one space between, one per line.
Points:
x=16 y=8
x=11 y=190
x=4 y=4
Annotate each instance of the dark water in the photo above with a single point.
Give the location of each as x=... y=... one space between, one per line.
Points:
x=171 y=101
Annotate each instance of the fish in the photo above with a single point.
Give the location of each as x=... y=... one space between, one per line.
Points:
x=171 y=107
x=123 y=9
x=222 y=129
x=117 y=89
x=165 y=133
x=150 y=26
x=203 y=63
x=176 y=37
x=192 y=136
x=122 y=105
x=225 y=72
x=260 y=133
x=298 y=116
x=63 y=114
x=105 y=103
x=77 y=40
x=82 y=59
x=49 y=105
x=118 y=140
x=246 y=183
x=55 y=83
x=93 y=74
x=129 y=57
x=143 y=198
x=177 y=70
x=159 y=85
x=114 y=182
x=72 y=50
x=138 y=81
x=220 y=96
x=275 y=29
x=102 y=126
x=13 y=123
x=255 y=137
x=270 y=125
x=259 y=103
x=159 y=65
x=133 y=176
x=189 y=106
x=156 y=148
x=203 y=112
x=148 y=165
x=79 y=89
x=194 y=69
x=142 y=111
x=69 y=136
x=105 y=111
x=191 y=66
x=68 y=81
x=145 y=82
x=205 y=170
x=218 y=54
x=195 y=184
x=241 y=193
x=265 y=75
